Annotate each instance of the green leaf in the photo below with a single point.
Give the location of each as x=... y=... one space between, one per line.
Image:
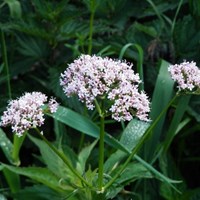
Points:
x=31 y=47
x=161 y=96
x=195 y=7
x=2 y=197
x=38 y=192
x=130 y=137
x=149 y=30
x=194 y=108
x=134 y=171
x=84 y=125
x=83 y=156
x=42 y=175
x=53 y=162
x=6 y=146
x=15 y=8
x=192 y=194
x=182 y=36
x=1 y=167
x=12 y=179
x=180 y=110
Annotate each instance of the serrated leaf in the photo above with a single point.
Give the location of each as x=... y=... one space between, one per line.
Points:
x=33 y=48
x=83 y=156
x=53 y=162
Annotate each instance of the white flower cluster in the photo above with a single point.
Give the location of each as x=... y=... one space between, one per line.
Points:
x=26 y=112
x=94 y=77
x=186 y=74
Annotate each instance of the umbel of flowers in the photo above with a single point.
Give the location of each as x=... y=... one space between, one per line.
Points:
x=187 y=76
x=94 y=78
x=26 y=112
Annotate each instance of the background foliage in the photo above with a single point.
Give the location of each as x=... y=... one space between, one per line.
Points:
x=41 y=37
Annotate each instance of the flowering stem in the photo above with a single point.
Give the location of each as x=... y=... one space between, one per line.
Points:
x=101 y=153
x=63 y=157
x=92 y=10
x=5 y=60
x=17 y=143
x=140 y=143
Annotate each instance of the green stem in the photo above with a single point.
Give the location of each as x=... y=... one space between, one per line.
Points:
x=5 y=60
x=63 y=157
x=174 y=20
x=17 y=143
x=159 y=15
x=101 y=153
x=92 y=10
x=140 y=143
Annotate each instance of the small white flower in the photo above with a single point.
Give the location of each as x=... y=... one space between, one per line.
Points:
x=26 y=112
x=93 y=77
x=186 y=74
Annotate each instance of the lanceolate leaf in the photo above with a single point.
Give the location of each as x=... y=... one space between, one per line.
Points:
x=130 y=137
x=83 y=124
x=180 y=110
x=161 y=96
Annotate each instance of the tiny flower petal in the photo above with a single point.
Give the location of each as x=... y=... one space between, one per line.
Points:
x=26 y=112
x=93 y=77
x=187 y=75
x=53 y=105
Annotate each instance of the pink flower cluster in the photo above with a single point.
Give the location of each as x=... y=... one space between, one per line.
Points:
x=94 y=77
x=187 y=75
x=26 y=112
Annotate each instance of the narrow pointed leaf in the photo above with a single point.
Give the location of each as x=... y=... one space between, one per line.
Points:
x=130 y=137
x=84 y=125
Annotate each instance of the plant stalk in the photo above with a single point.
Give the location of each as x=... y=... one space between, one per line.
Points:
x=17 y=143
x=92 y=10
x=5 y=60
x=101 y=153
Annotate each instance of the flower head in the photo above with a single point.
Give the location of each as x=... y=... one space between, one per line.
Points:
x=94 y=77
x=25 y=112
x=53 y=105
x=187 y=76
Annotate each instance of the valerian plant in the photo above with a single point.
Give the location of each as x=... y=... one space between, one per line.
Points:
x=111 y=87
